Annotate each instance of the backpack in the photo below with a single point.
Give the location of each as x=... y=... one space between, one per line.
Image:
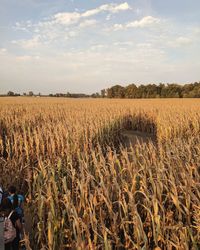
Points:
x=9 y=230
x=3 y=195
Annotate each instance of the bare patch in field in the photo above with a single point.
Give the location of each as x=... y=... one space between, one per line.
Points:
x=132 y=137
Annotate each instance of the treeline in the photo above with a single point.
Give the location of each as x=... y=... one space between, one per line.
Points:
x=70 y=95
x=132 y=91
x=154 y=91
x=11 y=93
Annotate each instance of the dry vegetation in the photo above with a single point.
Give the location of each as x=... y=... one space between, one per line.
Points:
x=86 y=190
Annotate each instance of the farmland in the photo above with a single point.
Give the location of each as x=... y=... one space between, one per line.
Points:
x=86 y=189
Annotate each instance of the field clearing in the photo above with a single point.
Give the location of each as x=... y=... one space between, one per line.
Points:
x=86 y=189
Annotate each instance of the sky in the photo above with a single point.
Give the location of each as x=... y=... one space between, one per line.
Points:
x=83 y=46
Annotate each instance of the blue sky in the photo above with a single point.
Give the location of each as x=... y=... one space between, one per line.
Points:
x=85 y=46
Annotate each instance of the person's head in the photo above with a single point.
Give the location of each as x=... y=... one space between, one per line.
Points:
x=12 y=189
x=6 y=206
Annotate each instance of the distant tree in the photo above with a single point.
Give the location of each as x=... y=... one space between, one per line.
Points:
x=95 y=95
x=151 y=91
x=195 y=91
x=142 y=91
x=110 y=93
x=155 y=91
x=116 y=91
x=24 y=94
x=171 y=91
x=10 y=93
x=159 y=89
x=103 y=93
x=131 y=91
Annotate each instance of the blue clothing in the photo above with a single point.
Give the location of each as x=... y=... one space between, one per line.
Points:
x=20 y=198
x=18 y=209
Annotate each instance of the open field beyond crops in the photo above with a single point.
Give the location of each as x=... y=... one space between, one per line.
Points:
x=87 y=189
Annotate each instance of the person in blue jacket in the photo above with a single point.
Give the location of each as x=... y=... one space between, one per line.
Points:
x=17 y=201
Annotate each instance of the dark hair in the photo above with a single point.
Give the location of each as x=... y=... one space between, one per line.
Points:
x=6 y=205
x=12 y=189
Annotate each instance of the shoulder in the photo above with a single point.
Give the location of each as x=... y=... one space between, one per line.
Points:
x=20 y=197
x=10 y=197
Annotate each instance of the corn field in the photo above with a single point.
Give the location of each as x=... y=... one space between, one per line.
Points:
x=86 y=190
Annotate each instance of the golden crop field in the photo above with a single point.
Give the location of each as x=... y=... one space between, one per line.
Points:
x=86 y=189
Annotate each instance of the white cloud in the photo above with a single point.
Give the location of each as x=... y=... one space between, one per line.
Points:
x=70 y=34
x=108 y=17
x=67 y=18
x=61 y=26
x=3 y=51
x=22 y=26
x=146 y=21
x=70 y=18
x=180 y=41
x=123 y=6
x=118 y=27
x=112 y=8
x=88 y=23
x=183 y=40
x=30 y=43
x=91 y=12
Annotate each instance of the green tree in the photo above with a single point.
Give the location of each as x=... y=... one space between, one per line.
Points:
x=116 y=91
x=131 y=91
